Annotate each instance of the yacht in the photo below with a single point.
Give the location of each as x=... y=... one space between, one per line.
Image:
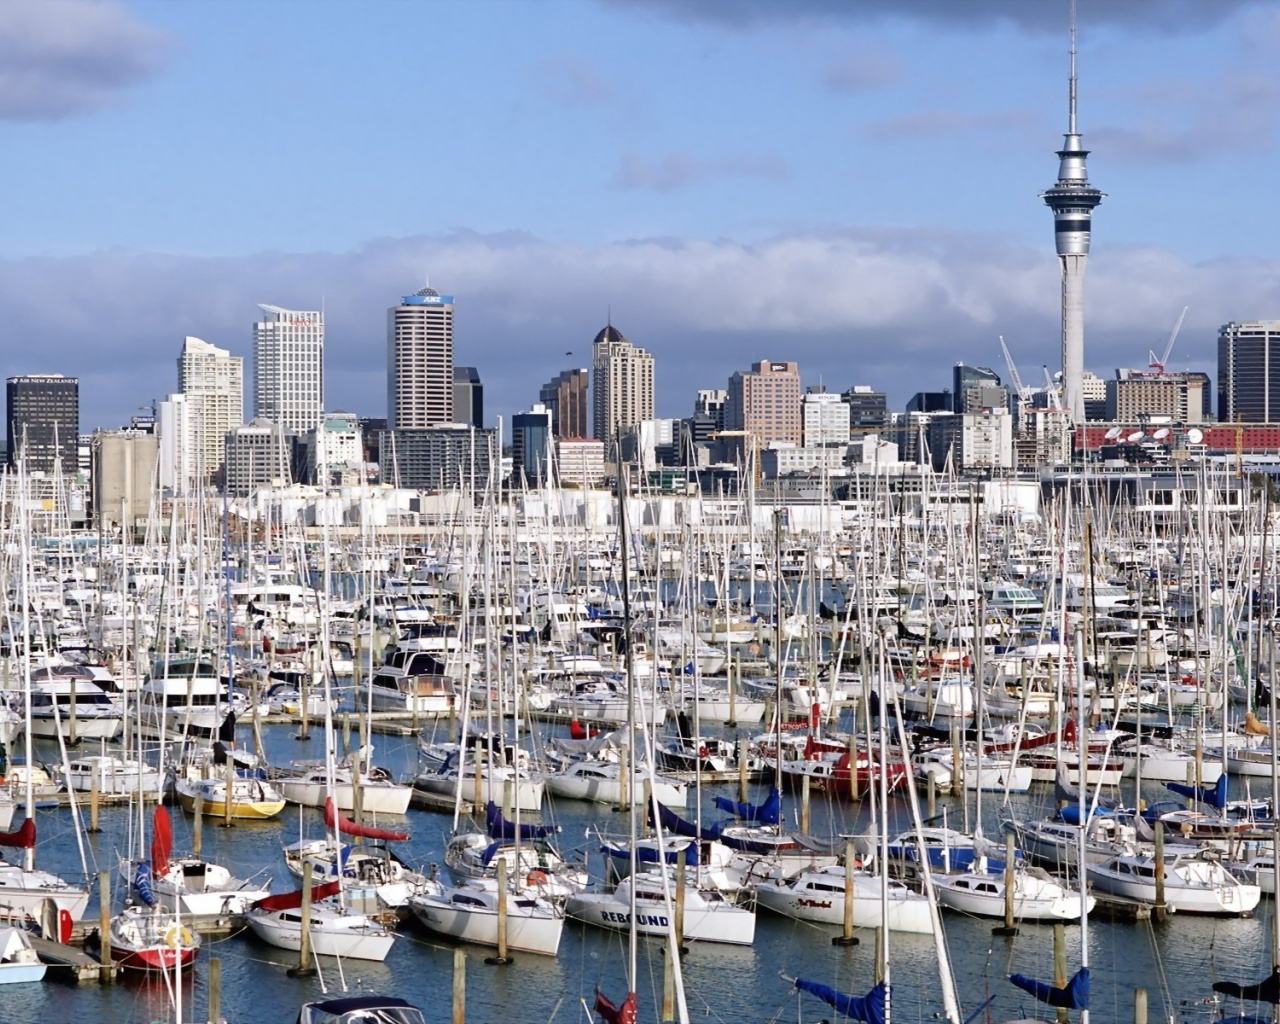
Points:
x=182 y=696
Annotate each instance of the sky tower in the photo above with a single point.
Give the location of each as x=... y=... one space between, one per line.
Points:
x=1072 y=200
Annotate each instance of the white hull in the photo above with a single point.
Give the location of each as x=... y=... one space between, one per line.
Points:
x=583 y=782
x=803 y=900
x=719 y=922
x=1035 y=899
x=375 y=798
x=534 y=929
x=352 y=936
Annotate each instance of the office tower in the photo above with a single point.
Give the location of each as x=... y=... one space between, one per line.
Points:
x=825 y=420
x=975 y=388
x=580 y=461
x=764 y=403
x=1094 y=389
x=1249 y=371
x=257 y=456
x=1137 y=395
x=468 y=396
x=531 y=438
x=43 y=422
x=565 y=397
x=179 y=437
x=420 y=361
x=213 y=381
x=623 y=382
x=439 y=458
x=1072 y=201
x=868 y=408
x=930 y=401
x=334 y=451
x=288 y=368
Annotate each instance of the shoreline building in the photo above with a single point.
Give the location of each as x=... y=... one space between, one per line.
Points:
x=1249 y=371
x=213 y=379
x=468 y=396
x=420 y=381
x=288 y=368
x=565 y=397
x=43 y=422
x=1072 y=200
x=623 y=387
x=763 y=404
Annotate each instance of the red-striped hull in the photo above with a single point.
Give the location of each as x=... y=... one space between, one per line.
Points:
x=157 y=958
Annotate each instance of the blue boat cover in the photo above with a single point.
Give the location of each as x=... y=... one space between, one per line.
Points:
x=767 y=813
x=648 y=855
x=1073 y=996
x=672 y=822
x=1214 y=796
x=142 y=882
x=499 y=828
x=869 y=1008
x=1267 y=991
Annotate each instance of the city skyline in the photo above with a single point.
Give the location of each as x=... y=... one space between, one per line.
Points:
x=826 y=240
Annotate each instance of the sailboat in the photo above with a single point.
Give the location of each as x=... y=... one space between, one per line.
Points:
x=336 y=930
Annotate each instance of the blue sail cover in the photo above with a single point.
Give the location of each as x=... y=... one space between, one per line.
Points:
x=767 y=813
x=869 y=1008
x=1214 y=796
x=672 y=822
x=648 y=855
x=142 y=882
x=499 y=828
x=1265 y=991
x=1074 y=996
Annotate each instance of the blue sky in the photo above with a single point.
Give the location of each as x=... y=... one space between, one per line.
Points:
x=849 y=183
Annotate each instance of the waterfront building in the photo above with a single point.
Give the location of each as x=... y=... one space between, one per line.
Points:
x=652 y=443
x=565 y=397
x=1137 y=396
x=213 y=380
x=288 y=368
x=439 y=458
x=532 y=435
x=972 y=440
x=580 y=461
x=178 y=435
x=1072 y=200
x=124 y=468
x=929 y=402
x=468 y=396
x=43 y=422
x=257 y=456
x=1094 y=389
x=975 y=388
x=782 y=459
x=334 y=451
x=824 y=420
x=622 y=378
x=868 y=408
x=420 y=382
x=763 y=403
x=1249 y=371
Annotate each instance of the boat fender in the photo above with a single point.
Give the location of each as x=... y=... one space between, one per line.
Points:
x=702 y=750
x=537 y=878
x=177 y=936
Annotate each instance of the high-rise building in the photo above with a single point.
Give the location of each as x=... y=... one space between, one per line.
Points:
x=43 y=422
x=468 y=396
x=826 y=420
x=623 y=384
x=213 y=380
x=580 y=461
x=257 y=456
x=288 y=368
x=439 y=458
x=179 y=437
x=531 y=439
x=1249 y=371
x=975 y=388
x=929 y=402
x=1072 y=200
x=868 y=408
x=1136 y=396
x=1094 y=389
x=764 y=403
x=420 y=381
x=565 y=397
x=335 y=451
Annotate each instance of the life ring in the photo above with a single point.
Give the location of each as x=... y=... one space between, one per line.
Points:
x=536 y=878
x=702 y=750
x=177 y=936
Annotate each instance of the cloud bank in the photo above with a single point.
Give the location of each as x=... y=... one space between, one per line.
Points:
x=890 y=308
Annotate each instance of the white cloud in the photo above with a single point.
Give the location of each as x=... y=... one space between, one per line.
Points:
x=679 y=170
x=59 y=58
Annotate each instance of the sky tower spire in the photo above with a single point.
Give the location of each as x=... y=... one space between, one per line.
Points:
x=1072 y=200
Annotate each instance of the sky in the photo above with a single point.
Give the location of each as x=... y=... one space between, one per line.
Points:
x=852 y=184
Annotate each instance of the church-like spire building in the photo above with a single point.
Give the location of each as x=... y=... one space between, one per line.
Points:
x=1072 y=200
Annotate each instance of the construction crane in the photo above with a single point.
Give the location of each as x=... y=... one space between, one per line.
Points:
x=1020 y=395
x=1051 y=389
x=1159 y=364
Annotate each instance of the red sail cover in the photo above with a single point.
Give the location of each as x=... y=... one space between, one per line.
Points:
x=24 y=838
x=624 y=1014
x=161 y=841
x=347 y=827
x=293 y=900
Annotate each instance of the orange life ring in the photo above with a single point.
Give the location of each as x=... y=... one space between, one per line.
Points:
x=536 y=878
x=702 y=750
